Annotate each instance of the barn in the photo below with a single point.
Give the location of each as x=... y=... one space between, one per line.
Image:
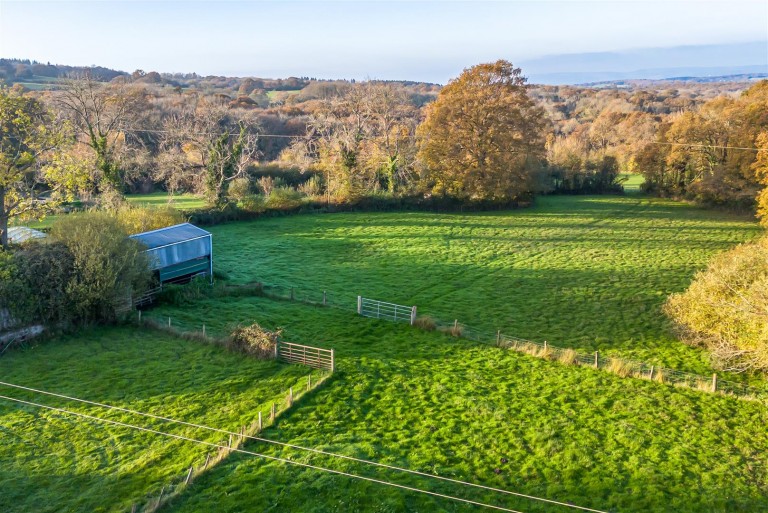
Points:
x=177 y=253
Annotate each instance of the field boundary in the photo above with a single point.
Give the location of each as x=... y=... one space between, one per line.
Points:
x=279 y=406
x=620 y=366
x=315 y=357
x=297 y=354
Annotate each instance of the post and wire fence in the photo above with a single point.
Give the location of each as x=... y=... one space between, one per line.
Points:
x=394 y=312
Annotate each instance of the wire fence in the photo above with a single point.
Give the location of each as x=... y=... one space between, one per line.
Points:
x=266 y=416
x=620 y=366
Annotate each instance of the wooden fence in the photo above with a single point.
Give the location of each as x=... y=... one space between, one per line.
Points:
x=387 y=311
x=315 y=357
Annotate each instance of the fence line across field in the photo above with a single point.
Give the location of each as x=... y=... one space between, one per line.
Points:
x=394 y=312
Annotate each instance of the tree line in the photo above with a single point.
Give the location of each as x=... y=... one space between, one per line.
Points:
x=486 y=136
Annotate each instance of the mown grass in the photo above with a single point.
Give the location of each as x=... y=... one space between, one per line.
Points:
x=454 y=408
x=585 y=272
x=51 y=462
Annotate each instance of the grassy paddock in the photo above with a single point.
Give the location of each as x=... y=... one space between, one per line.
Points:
x=437 y=404
x=584 y=272
x=54 y=462
x=156 y=199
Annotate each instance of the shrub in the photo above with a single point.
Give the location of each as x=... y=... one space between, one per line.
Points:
x=44 y=272
x=108 y=267
x=255 y=203
x=726 y=308
x=267 y=184
x=143 y=219
x=312 y=187
x=284 y=198
x=239 y=188
x=254 y=340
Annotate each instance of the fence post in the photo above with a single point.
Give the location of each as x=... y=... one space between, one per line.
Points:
x=498 y=338
x=359 y=305
x=189 y=476
x=207 y=459
x=325 y=299
x=290 y=397
x=714 y=382
x=650 y=375
x=413 y=315
x=455 y=325
x=273 y=413
x=597 y=359
x=203 y=329
x=333 y=361
x=169 y=322
x=139 y=316
x=277 y=343
x=309 y=382
x=259 y=422
x=545 y=345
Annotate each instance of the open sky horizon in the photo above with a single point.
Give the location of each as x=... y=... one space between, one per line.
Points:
x=410 y=40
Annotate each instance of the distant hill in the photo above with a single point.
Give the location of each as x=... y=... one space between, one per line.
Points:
x=651 y=83
x=744 y=60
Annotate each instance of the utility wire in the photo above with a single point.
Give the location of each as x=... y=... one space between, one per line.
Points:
x=204 y=133
x=317 y=451
x=265 y=456
x=697 y=145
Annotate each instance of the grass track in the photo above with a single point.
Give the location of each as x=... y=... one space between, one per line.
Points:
x=52 y=462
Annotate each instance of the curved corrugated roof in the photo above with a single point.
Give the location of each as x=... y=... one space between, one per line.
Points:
x=170 y=235
x=19 y=234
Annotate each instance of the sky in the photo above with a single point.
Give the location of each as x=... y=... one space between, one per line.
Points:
x=414 y=40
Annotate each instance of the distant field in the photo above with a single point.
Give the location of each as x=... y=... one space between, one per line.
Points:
x=585 y=272
x=51 y=462
x=180 y=201
x=633 y=182
x=453 y=408
x=155 y=199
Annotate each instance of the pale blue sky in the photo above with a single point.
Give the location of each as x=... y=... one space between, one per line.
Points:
x=415 y=40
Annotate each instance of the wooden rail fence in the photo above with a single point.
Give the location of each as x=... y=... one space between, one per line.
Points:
x=315 y=357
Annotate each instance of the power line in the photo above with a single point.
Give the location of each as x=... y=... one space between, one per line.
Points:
x=317 y=451
x=153 y=131
x=265 y=456
x=698 y=145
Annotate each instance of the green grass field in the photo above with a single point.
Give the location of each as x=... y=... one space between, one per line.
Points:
x=52 y=462
x=155 y=199
x=585 y=272
x=454 y=408
x=158 y=199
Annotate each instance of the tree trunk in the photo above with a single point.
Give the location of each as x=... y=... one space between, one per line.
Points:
x=3 y=220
